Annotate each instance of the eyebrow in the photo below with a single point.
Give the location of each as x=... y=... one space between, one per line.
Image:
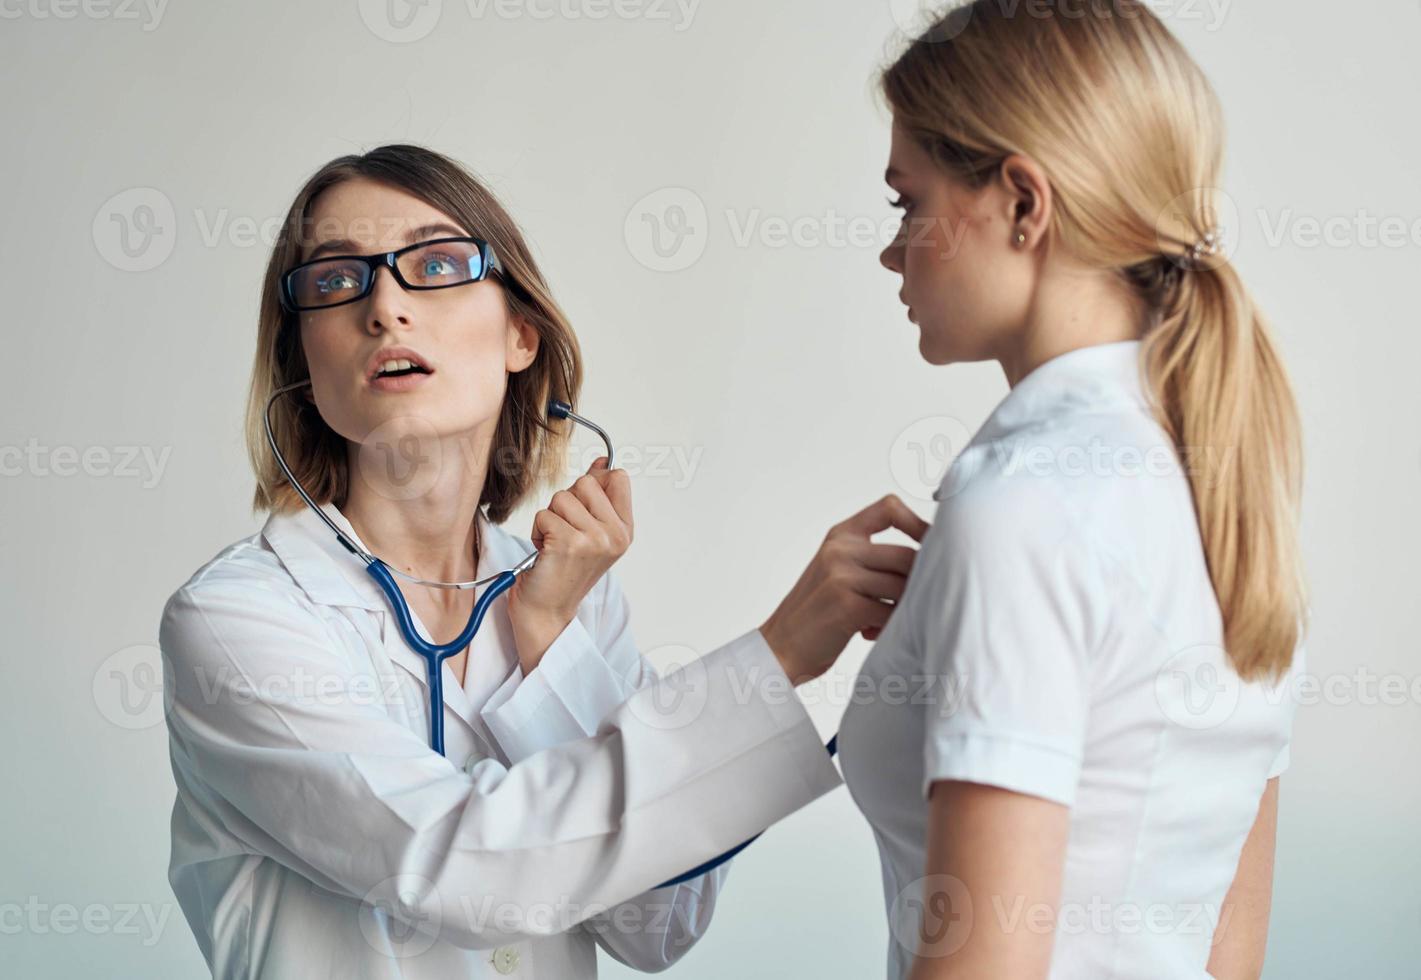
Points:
x=344 y=246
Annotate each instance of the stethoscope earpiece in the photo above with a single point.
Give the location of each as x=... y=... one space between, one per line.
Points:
x=562 y=410
x=494 y=585
x=435 y=654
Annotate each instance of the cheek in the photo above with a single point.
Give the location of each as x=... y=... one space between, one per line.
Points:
x=940 y=263
x=321 y=347
x=475 y=343
x=473 y=350
x=335 y=398
x=329 y=354
x=955 y=291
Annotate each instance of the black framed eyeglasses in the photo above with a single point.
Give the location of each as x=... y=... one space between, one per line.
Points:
x=339 y=279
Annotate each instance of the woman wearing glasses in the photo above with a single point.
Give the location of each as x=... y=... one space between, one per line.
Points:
x=1110 y=591
x=315 y=832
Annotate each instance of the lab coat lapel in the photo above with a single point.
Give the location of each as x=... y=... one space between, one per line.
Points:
x=321 y=566
x=330 y=575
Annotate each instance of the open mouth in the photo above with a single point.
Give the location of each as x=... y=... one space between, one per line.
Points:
x=399 y=369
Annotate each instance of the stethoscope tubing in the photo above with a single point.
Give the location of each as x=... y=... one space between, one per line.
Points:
x=434 y=654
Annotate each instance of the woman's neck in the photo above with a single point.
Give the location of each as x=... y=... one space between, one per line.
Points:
x=1072 y=308
x=418 y=511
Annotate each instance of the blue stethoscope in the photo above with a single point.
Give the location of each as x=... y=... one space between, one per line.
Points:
x=434 y=654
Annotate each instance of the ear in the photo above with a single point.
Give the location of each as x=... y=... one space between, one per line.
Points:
x=522 y=344
x=1026 y=200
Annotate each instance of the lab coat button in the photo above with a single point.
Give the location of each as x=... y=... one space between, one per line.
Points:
x=505 y=959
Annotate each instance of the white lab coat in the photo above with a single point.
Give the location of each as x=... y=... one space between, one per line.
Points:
x=316 y=834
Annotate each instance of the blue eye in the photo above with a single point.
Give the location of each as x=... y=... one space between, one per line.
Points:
x=336 y=280
x=438 y=265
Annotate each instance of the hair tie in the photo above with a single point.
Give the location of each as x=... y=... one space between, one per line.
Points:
x=1204 y=248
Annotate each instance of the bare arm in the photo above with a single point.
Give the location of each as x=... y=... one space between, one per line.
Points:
x=995 y=859
x=1242 y=934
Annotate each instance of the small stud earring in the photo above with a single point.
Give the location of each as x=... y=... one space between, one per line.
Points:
x=1020 y=238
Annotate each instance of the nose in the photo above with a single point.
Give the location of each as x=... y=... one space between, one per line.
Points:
x=892 y=256
x=387 y=305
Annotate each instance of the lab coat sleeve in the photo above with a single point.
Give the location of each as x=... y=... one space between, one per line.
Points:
x=592 y=667
x=322 y=779
x=652 y=931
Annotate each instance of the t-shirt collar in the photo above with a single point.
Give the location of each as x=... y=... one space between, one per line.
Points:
x=1081 y=379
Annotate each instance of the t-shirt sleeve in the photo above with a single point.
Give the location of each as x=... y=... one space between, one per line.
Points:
x=1014 y=603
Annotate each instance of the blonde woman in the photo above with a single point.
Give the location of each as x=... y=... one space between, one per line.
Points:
x=1110 y=592
x=315 y=831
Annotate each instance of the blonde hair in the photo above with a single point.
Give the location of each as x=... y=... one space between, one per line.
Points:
x=525 y=449
x=1130 y=133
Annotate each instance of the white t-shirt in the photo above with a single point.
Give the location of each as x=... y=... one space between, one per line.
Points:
x=1060 y=637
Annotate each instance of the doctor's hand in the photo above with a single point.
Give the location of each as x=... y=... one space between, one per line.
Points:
x=849 y=587
x=579 y=535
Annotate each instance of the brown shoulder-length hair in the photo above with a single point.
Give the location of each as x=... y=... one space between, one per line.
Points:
x=525 y=448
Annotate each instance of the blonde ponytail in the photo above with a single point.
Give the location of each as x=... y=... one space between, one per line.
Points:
x=1128 y=129
x=1221 y=392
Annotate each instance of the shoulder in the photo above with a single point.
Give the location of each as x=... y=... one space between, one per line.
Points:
x=247 y=567
x=994 y=497
x=1068 y=472
x=1030 y=513
x=241 y=591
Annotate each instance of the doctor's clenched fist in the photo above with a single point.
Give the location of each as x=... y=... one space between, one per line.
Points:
x=849 y=587
x=579 y=535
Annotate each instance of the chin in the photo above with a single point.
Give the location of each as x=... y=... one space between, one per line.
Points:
x=934 y=353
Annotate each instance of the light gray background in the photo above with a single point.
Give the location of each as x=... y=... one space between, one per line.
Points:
x=775 y=349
